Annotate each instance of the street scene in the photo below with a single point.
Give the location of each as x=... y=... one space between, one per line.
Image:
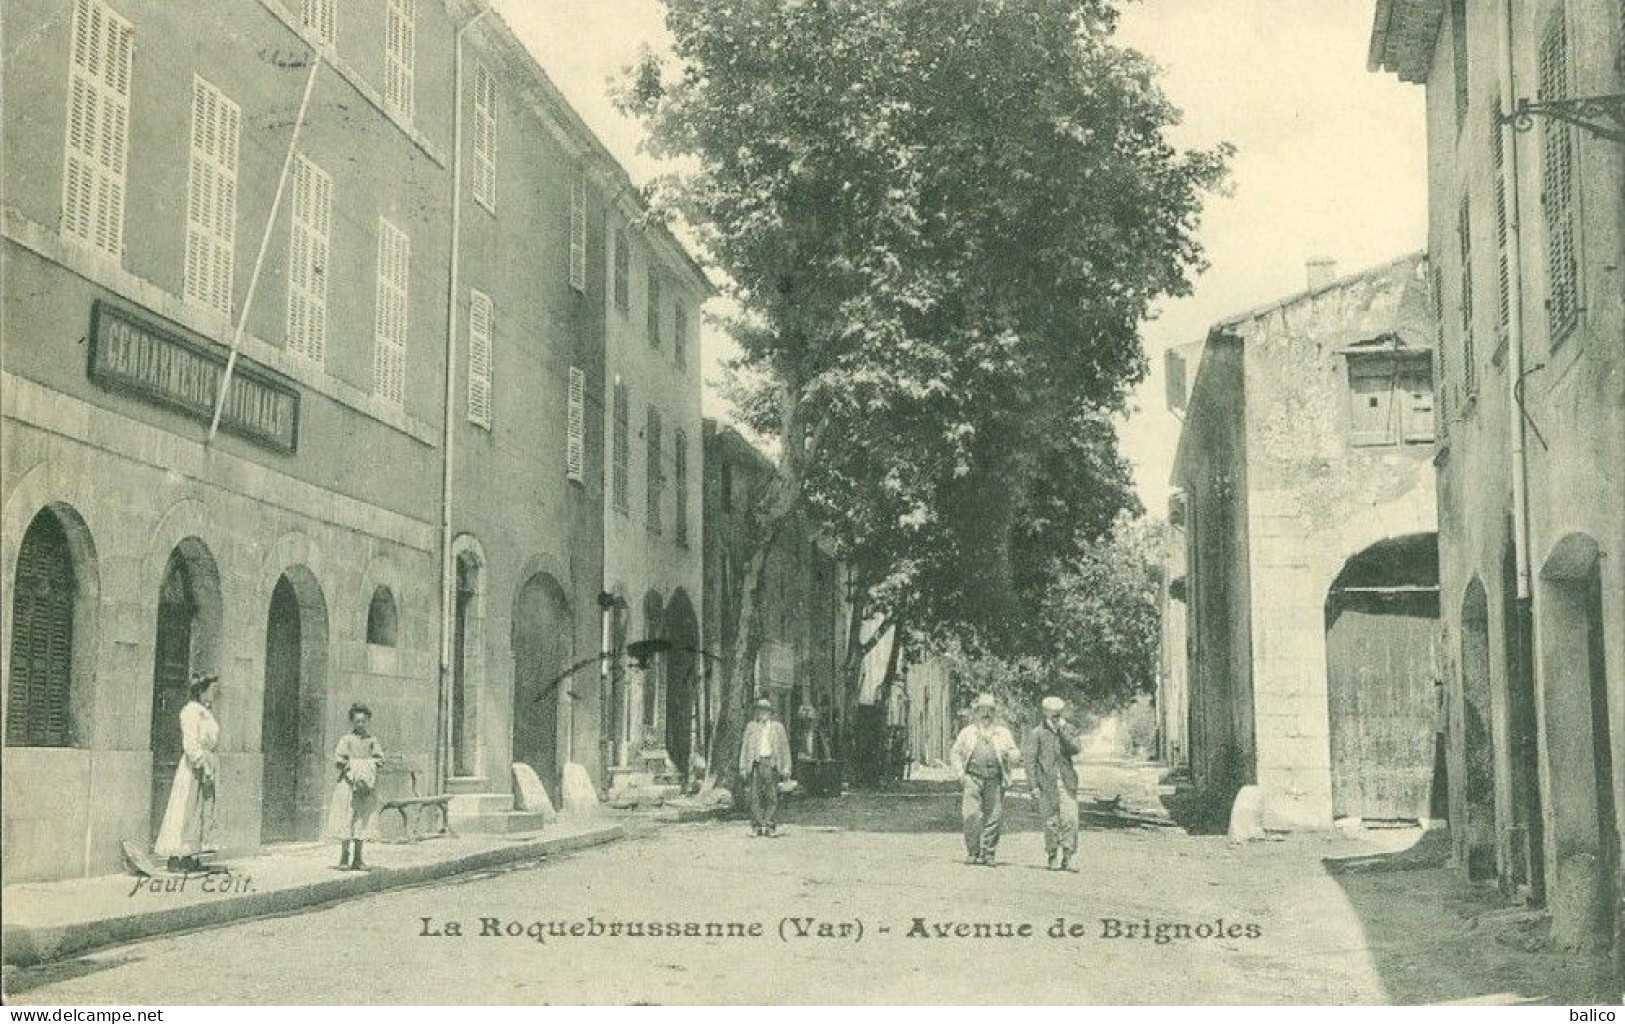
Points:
x=812 y=502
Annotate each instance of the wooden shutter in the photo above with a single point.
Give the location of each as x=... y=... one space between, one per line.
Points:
x=389 y=354
x=1557 y=184
x=578 y=233
x=320 y=17
x=400 y=56
x=96 y=152
x=655 y=477
x=485 y=139
x=654 y=309
x=621 y=457
x=1464 y=236
x=679 y=456
x=576 y=426
x=308 y=248
x=37 y=707
x=481 y=326
x=623 y=272
x=679 y=334
x=211 y=198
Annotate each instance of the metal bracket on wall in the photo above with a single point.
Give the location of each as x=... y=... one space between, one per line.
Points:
x=1602 y=116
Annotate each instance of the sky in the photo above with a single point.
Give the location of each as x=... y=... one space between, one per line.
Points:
x=1330 y=162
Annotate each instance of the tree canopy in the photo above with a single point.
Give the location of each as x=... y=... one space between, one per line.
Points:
x=943 y=222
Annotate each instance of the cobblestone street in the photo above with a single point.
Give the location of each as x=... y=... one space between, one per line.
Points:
x=887 y=862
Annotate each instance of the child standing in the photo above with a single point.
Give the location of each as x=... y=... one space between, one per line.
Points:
x=352 y=813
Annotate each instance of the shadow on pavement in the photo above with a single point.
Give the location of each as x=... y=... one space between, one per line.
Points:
x=1435 y=939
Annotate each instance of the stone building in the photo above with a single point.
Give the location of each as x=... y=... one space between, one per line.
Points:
x=1310 y=589
x=653 y=466
x=343 y=194
x=1526 y=216
x=294 y=551
x=804 y=614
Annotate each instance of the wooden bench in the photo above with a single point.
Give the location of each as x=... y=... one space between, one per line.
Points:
x=398 y=792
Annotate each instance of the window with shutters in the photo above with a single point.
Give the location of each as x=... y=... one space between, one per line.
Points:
x=654 y=310
x=389 y=331
x=1391 y=401
x=679 y=479
x=308 y=245
x=211 y=198
x=400 y=56
x=481 y=326
x=1442 y=378
x=575 y=431
x=623 y=273
x=485 y=139
x=321 y=17
x=656 y=474
x=1464 y=234
x=679 y=334
x=621 y=451
x=1557 y=185
x=98 y=128
x=578 y=233
x=38 y=711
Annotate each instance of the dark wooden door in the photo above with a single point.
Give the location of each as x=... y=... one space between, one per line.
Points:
x=1381 y=698
x=172 y=669
x=280 y=725
x=540 y=642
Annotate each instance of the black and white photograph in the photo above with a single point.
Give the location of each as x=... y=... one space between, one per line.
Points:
x=804 y=503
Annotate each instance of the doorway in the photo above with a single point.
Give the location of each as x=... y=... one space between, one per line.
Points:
x=682 y=659
x=1478 y=753
x=541 y=649
x=184 y=642
x=281 y=728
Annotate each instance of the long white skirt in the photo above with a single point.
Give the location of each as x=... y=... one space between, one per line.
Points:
x=190 y=825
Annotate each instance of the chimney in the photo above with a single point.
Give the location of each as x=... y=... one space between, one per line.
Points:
x=1322 y=271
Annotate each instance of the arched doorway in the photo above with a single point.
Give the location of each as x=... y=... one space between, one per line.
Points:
x=541 y=650
x=1578 y=744
x=186 y=640
x=652 y=691
x=292 y=742
x=1382 y=614
x=1478 y=752
x=1523 y=733
x=467 y=659
x=682 y=629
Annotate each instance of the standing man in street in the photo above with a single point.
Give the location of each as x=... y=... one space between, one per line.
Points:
x=985 y=757
x=1053 y=779
x=764 y=759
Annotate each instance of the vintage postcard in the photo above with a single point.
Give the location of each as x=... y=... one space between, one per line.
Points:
x=806 y=502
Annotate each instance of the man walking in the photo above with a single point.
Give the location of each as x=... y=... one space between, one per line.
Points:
x=764 y=759
x=984 y=756
x=1053 y=779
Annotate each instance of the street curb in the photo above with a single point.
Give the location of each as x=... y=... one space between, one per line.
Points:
x=26 y=946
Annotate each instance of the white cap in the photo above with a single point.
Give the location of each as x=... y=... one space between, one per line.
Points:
x=1053 y=704
x=984 y=701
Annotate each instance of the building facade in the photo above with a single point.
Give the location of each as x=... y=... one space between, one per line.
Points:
x=653 y=470
x=1310 y=572
x=347 y=219
x=1527 y=215
x=293 y=550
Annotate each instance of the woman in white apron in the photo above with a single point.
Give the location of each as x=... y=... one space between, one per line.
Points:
x=190 y=827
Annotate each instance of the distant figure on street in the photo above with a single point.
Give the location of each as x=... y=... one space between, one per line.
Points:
x=190 y=826
x=985 y=757
x=352 y=811
x=764 y=760
x=1053 y=779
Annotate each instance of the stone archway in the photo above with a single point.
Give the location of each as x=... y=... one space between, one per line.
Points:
x=1584 y=842
x=541 y=653
x=1382 y=615
x=293 y=742
x=54 y=599
x=467 y=657
x=682 y=630
x=186 y=640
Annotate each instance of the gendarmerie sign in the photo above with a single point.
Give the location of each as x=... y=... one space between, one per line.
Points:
x=140 y=356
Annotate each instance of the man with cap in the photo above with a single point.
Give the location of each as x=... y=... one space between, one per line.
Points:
x=984 y=756
x=764 y=759
x=1053 y=779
